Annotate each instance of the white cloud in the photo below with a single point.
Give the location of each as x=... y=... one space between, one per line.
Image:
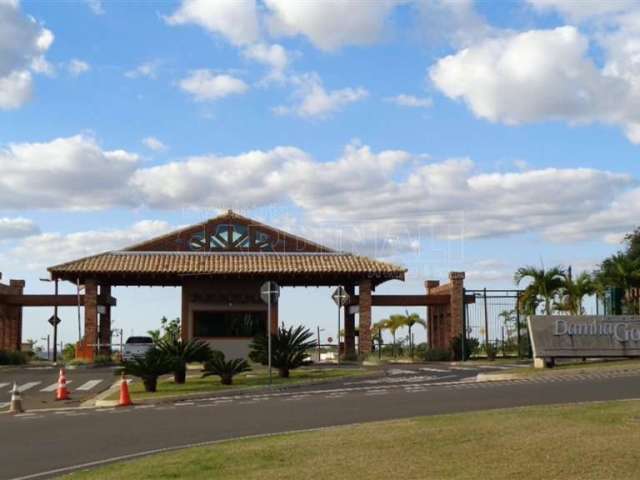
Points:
x=65 y=173
x=144 y=70
x=236 y=20
x=206 y=85
x=407 y=196
x=273 y=56
x=154 y=144
x=580 y=10
x=404 y=100
x=37 y=252
x=513 y=79
x=23 y=44
x=311 y=100
x=95 y=6
x=78 y=67
x=330 y=24
x=15 y=89
x=16 y=228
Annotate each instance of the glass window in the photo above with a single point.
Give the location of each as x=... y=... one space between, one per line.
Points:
x=229 y=324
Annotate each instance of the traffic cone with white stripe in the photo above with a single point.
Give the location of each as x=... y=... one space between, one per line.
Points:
x=125 y=398
x=16 y=400
x=62 y=393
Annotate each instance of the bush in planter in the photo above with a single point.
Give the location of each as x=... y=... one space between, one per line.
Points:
x=492 y=351
x=149 y=367
x=13 y=358
x=225 y=369
x=470 y=347
x=289 y=348
x=181 y=352
x=437 y=355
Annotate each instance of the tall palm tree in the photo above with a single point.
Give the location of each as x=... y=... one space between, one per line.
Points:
x=376 y=333
x=620 y=271
x=544 y=285
x=409 y=321
x=573 y=291
x=393 y=323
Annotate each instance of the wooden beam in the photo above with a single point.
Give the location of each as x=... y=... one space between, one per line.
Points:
x=51 y=300
x=409 y=300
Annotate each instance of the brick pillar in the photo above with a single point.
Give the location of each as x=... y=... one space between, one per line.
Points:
x=11 y=319
x=185 y=331
x=430 y=285
x=90 y=320
x=349 y=327
x=364 y=322
x=105 y=322
x=456 y=280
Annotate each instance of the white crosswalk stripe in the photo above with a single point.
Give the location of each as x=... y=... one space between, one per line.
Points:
x=4 y=384
x=27 y=386
x=89 y=385
x=52 y=387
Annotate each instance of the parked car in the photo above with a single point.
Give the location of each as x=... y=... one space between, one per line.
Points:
x=136 y=347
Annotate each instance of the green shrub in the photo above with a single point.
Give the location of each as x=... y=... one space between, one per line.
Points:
x=181 y=352
x=470 y=347
x=103 y=360
x=491 y=350
x=225 y=369
x=69 y=352
x=149 y=367
x=13 y=358
x=289 y=348
x=436 y=355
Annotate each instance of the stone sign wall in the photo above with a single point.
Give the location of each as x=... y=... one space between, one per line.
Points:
x=584 y=336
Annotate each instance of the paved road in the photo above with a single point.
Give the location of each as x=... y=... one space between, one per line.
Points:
x=38 y=443
x=38 y=385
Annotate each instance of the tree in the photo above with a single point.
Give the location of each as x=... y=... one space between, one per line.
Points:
x=376 y=333
x=409 y=321
x=181 y=353
x=149 y=367
x=289 y=348
x=225 y=369
x=623 y=272
x=544 y=286
x=393 y=323
x=573 y=292
x=168 y=329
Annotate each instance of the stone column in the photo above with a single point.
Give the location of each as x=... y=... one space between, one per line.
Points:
x=456 y=280
x=349 y=327
x=90 y=319
x=430 y=285
x=105 y=322
x=11 y=319
x=364 y=322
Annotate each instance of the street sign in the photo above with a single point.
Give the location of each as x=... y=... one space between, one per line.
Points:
x=269 y=292
x=54 y=320
x=340 y=297
x=330 y=340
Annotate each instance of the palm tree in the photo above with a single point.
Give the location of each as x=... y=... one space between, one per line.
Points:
x=376 y=334
x=289 y=348
x=181 y=353
x=149 y=367
x=409 y=321
x=544 y=285
x=573 y=291
x=225 y=369
x=393 y=323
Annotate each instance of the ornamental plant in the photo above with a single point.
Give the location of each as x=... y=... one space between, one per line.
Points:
x=289 y=348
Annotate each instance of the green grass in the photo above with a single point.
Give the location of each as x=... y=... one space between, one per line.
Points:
x=256 y=378
x=587 y=442
x=578 y=367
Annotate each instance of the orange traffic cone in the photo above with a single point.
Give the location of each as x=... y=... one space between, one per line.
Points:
x=63 y=392
x=125 y=399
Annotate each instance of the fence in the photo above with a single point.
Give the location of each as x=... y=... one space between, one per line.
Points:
x=495 y=322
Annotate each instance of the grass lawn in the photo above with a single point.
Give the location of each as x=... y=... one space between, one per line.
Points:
x=256 y=378
x=588 y=441
x=578 y=367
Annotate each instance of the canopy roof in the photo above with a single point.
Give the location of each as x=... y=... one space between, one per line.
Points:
x=227 y=246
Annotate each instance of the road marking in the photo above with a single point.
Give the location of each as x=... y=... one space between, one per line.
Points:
x=27 y=386
x=53 y=387
x=5 y=404
x=4 y=384
x=89 y=385
x=436 y=370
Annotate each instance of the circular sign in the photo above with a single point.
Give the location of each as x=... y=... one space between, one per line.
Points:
x=330 y=340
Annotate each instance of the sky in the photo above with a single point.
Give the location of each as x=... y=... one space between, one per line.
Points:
x=443 y=135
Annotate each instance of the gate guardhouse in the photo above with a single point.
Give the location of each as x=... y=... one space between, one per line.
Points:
x=220 y=265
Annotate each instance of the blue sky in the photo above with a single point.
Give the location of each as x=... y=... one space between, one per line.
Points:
x=476 y=136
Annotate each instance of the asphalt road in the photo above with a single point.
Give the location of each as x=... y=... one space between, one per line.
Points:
x=38 y=385
x=35 y=445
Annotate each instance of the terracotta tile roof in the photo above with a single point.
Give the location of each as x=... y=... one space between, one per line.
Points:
x=228 y=263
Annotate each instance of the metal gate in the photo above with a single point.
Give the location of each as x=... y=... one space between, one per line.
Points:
x=495 y=322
